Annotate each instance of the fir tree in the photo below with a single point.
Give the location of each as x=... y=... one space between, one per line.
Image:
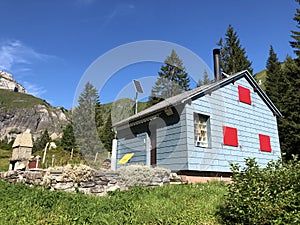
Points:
x=68 y=141
x=205 y=81
x=107 y=134
x=86 y=122
x=289 y=125
x=172 y=79
x=233 y=57
x=274 y=78
x=296 y=33
x=41 y=142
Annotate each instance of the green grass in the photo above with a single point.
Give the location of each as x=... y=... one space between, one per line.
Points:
x=4 y=159
x=261 y=76
x=16 y=100
x=172 y=204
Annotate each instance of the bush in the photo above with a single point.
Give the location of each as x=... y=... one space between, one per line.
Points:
x=139 y=175
x=263 y=196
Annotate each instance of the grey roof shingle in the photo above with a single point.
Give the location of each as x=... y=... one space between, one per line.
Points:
x=175 y=100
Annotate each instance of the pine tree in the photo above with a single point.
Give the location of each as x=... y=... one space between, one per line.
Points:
x=87 y=121
x=274 y=78
x=41 y=142
x=68 y=141
x=233 y=57
x=296 y=33
x=172 y=79
x=289 y=125
x=107 y=134
x=205 y=81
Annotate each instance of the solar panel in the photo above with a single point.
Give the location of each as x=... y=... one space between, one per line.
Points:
x=138 y=86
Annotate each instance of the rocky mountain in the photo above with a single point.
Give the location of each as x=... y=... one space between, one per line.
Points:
x=20 y=112
x=7 y=82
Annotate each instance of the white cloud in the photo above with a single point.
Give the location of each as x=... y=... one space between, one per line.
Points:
x=16 y=54
x=34 y=89
x=120 y=10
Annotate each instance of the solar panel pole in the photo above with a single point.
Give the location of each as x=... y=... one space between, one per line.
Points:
x=136 y=102
x=138 y=89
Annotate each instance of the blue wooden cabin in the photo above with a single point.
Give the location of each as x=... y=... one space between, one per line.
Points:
x=204 y=129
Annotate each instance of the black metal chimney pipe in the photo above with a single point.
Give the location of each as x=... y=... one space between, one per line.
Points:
x=217 y=72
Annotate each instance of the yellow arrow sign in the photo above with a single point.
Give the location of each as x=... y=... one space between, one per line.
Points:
x=126 y=158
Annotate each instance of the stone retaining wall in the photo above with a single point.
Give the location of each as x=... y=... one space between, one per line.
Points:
x=89 y=181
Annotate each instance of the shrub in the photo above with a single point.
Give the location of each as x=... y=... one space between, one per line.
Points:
x=138 y=175
x=269 y=195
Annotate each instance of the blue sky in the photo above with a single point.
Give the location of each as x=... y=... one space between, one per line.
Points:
x=48 y=45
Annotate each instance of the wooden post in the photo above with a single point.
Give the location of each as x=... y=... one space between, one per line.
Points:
x=96 y=156
x=72 y=151
x=53 y=158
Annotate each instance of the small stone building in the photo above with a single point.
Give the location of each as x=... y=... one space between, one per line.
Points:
x=22 y=149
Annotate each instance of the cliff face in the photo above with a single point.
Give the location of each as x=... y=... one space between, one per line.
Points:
x=37 y=119
x=7 y=82
x=19 y=112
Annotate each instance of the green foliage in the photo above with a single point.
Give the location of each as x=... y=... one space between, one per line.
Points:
x=274 y=78
x=172 y=79
x=296 y=33
x=4 y=144
x=173 y=204
x=289 y=104
x=68 y=141
x=268 y=195
x=205 y=81
x=87 y=121
x=41 y=142
x=107 y=135
x=233 y=57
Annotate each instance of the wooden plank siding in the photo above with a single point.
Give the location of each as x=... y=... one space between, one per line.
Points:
x=132 y=144
x=172 y=143
x=224 y=109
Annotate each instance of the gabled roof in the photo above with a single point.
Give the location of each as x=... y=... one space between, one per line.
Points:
x=154 y=110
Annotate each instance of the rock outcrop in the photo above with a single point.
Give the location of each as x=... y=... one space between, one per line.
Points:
x=38 y=118
x=7 y=82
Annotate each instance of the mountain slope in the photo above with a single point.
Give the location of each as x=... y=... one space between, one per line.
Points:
x=19 y=112
x=260 y=77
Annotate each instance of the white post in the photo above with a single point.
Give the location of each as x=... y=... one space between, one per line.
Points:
x=147 y=149
x=45 y=151
x=136 y=102
x=113 y=164
x=72 y=151
x=37 y=161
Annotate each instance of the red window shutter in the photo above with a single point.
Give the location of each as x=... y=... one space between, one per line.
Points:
x=244 y=95
x=230 y=136
x=265 y=143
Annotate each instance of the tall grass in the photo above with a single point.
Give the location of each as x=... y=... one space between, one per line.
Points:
x=173 y=204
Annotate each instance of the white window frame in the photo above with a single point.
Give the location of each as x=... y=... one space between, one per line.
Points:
x=201 y=130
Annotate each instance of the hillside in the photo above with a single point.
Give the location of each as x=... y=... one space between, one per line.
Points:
x=121 y=109
x=19 y=112
x=260 y=77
